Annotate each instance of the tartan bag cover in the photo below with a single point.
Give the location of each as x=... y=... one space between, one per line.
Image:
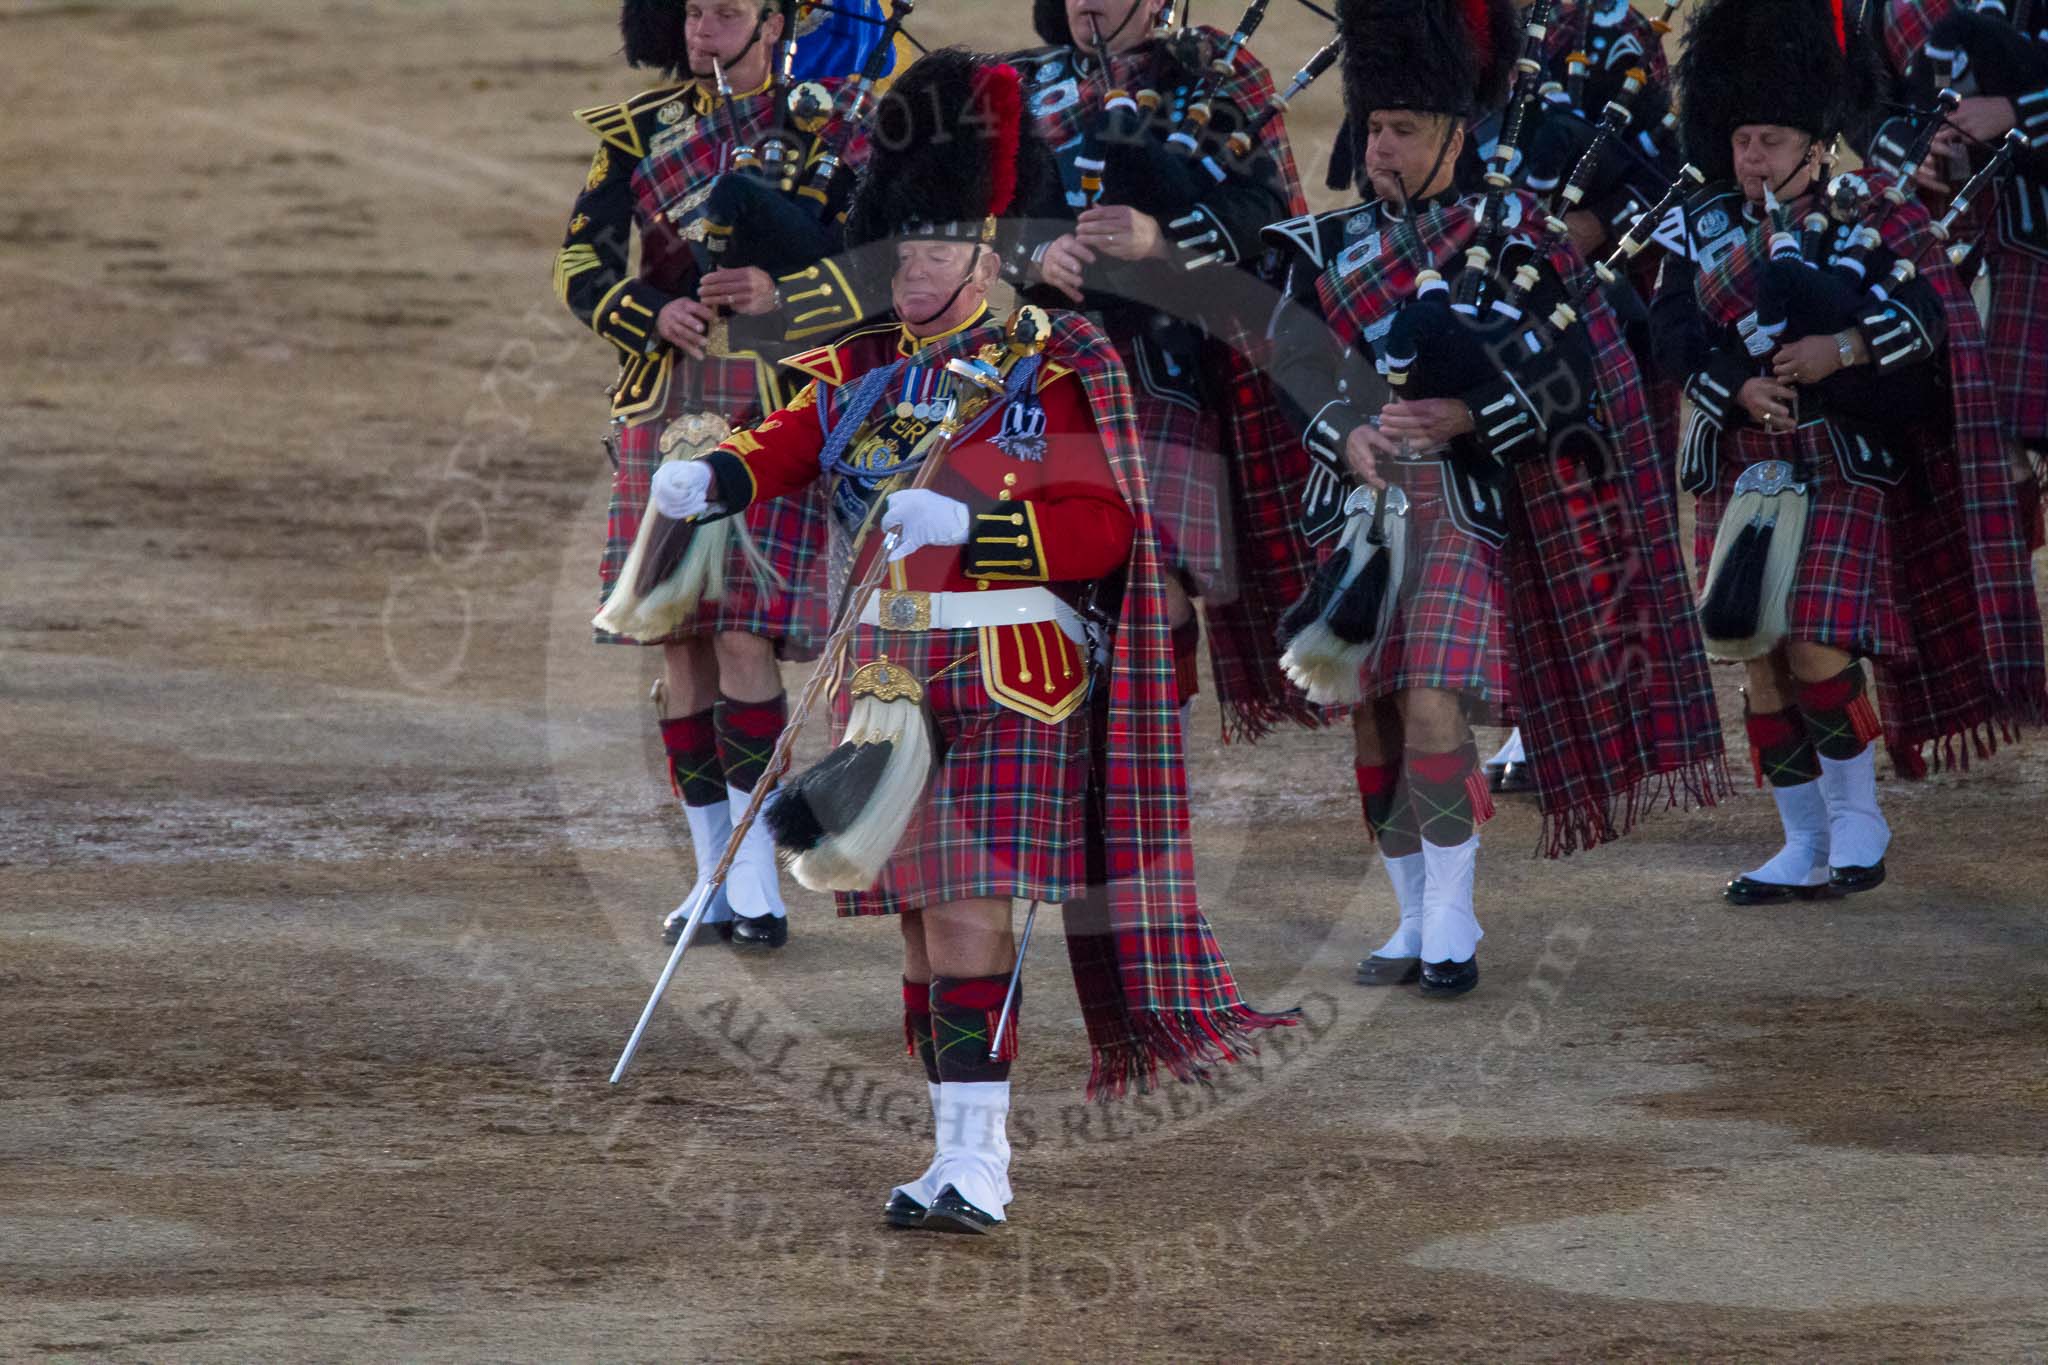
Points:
x=1155 y=989
x=1611 y=680
x=1249 y=89
x=1904 y=27
x=1966 y=579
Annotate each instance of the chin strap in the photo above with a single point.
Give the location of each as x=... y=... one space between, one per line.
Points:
x=753 y=39
x=1105 y=39
x=1443 y=149
x=958 y=289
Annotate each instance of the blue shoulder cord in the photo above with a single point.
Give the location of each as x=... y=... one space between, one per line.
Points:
x=854 y=410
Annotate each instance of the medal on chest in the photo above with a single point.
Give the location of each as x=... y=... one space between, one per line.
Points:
x=919 y=402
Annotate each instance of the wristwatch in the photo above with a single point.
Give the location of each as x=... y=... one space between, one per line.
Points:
x=1845 y=347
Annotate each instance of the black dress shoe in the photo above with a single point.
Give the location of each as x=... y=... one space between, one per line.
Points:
x=1510 y=778
x=1450 y=978
x=1389 y=971
x=902 y=1211
x=950 y=1213
x=1744 y=891
x=1847 y=881
x=673 y=930
x=760 y=931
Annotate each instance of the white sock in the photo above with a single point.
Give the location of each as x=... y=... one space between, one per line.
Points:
x=1803 y=861
x=1409 y=874
x=1450 y=931
x=1510 y=752
x=754 y=886
x=1857 y=832
x=974 y=1142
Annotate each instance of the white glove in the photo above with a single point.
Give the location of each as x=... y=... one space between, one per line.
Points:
x=921 y=517
x=682 y=489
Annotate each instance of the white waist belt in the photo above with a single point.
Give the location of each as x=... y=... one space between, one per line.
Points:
x=903 y=609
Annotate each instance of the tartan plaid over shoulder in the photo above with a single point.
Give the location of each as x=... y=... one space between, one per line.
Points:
x=1977 y=667
x=1616 y=702
x=1155 y=989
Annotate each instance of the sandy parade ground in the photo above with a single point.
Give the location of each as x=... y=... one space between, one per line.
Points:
x=332 y=854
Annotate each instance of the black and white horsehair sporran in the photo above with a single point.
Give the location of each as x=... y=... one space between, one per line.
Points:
x=1341 y=623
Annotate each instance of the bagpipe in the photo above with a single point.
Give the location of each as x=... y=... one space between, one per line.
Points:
x=1575 y=114
x=1155 y=145
x=776 y=206
x=1161 y=149
x=1239 y=148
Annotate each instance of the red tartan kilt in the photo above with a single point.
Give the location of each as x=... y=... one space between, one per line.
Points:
x=2016 y=343
x=1190 y=492
x=1446 y=632
x=789 y=532
x=1842 y=594
x=1004 y=814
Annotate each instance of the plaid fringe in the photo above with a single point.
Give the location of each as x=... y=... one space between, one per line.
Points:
x=1186 y=1045
x=1949 y=752
x=1602 y=819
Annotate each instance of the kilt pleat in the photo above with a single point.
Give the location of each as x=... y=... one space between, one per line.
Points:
x=1004 y=813
x=1842 y=594
x=1446 y=631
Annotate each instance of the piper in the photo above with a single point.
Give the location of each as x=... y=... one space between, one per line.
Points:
x=683 y=383
x=1853 y=501
x=1490 y=488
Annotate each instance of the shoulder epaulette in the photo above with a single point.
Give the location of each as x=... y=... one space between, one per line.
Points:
x=1304 y=234
x=827 y=364
x=619 y=125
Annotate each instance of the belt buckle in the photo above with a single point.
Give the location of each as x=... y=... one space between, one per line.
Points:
x=905 y=609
